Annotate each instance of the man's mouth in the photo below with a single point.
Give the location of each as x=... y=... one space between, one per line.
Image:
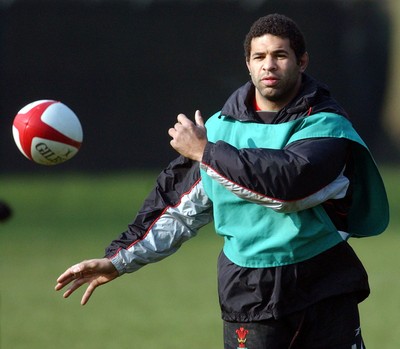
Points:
x=270 y=81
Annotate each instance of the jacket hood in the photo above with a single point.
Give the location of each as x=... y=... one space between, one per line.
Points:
x=314 y=97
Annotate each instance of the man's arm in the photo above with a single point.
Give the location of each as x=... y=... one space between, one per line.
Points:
x=173 y=213
x=301 y=175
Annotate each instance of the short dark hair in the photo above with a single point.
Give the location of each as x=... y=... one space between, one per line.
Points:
x=278 y=25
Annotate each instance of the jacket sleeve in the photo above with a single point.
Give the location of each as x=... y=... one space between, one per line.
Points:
x=303 y=174
x=172 y=213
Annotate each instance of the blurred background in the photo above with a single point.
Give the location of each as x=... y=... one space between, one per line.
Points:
x=128 y=67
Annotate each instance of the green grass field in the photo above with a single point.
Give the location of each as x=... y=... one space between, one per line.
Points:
x=60 y=220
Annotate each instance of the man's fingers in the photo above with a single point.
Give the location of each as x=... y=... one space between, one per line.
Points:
x=199 y=119
x=64 y=280
x=76 y=284
x=183 y=120
x=64 y=276
x=89 y=291
x=61 y=285
x=72 y=273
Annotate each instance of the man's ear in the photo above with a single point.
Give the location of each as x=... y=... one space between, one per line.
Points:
x=303 y=62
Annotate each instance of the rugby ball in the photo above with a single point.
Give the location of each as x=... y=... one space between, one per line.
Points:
x=47 y=132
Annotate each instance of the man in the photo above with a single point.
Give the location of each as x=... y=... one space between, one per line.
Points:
x=287 y=181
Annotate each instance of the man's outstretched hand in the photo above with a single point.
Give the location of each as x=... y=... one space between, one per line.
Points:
x=94 y=272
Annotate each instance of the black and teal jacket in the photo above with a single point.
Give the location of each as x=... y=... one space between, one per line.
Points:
x=283 y=195
x=283 y=207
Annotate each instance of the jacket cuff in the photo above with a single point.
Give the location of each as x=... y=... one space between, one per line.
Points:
x=207 y=154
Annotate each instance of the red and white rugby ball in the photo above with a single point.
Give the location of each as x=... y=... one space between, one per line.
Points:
x=47 y=132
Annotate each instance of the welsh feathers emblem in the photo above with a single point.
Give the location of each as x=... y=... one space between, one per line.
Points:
x=242 y=333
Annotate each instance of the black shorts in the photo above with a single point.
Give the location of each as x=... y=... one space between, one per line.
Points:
x=333 y=323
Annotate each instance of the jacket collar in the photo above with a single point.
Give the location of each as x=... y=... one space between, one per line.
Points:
x=313 y=97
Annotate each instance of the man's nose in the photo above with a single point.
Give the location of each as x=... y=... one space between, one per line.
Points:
x=269 y=63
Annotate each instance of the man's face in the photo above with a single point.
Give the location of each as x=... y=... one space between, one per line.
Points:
x=275 y=71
